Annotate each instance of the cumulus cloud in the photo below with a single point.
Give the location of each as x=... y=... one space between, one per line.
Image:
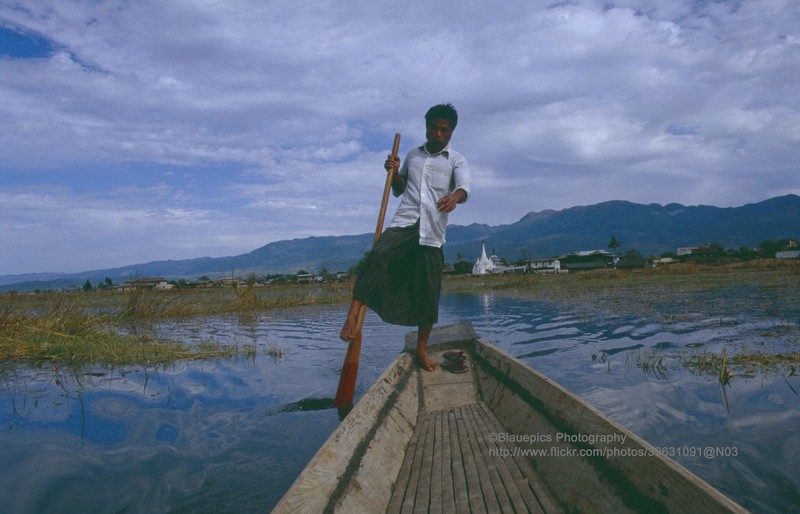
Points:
x=147 y=130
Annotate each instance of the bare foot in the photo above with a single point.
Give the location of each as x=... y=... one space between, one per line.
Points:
x=424 y=360
x=348 y=332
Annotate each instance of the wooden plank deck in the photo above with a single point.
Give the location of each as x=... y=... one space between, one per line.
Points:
x=453 y=464
x=437 y=429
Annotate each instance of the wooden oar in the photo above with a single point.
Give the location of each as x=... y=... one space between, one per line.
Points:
x=347 y=380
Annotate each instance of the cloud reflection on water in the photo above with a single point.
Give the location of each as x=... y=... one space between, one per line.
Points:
x=236 y=433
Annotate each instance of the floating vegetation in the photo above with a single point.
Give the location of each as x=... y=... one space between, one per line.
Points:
x=680 y=296
x=276 y=352
x=653 y=363
x=82 y=327
x=745 y=363
x=65 y=332
x=723 y=366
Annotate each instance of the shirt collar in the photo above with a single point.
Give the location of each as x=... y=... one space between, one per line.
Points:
x=445 y=151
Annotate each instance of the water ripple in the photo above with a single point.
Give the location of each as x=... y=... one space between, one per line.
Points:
x=233 y=434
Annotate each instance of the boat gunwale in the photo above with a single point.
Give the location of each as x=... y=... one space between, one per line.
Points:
x=376 y=406
x=402 y=372
x=654 y=461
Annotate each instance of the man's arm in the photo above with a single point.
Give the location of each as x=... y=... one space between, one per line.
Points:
x=449 y=202
x=461 y=178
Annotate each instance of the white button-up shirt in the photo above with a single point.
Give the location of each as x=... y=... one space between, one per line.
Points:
x=426 y=179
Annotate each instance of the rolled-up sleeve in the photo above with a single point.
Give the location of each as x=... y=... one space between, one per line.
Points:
x=461 y=177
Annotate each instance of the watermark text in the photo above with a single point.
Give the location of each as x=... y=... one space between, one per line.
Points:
x=606 y=446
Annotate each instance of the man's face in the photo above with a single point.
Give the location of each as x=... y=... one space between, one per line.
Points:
x=438 y=133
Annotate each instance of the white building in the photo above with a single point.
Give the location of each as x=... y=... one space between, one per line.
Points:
x=544 y=265
x=483 y=264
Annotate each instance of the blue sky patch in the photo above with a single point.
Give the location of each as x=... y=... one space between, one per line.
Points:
x=21 y=44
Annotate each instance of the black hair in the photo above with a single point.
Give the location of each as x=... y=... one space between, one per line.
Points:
x=442 y=111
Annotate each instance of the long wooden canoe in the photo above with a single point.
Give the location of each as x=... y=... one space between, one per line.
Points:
x=499 y=438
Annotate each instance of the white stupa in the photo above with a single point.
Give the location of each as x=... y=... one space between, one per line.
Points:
x=484 y=264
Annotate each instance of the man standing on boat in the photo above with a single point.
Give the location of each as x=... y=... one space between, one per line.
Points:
x=400 y=279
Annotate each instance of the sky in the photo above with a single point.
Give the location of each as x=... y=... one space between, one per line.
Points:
x=171 y=129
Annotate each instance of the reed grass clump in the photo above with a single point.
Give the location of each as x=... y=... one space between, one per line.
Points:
x=724 y=366
x=246 y=298
x=65 y=332
x=276 y=351
x=653 y=363
x=139 y=304
x=82 y=327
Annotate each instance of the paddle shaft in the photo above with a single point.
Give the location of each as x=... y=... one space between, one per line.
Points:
x=347 y=379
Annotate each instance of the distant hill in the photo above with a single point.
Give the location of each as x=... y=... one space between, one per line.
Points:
x=651 y=229
x=313 y=253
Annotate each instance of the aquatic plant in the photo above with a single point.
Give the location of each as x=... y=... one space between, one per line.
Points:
x=276 y=351
x=653 y=363
x=744 y=363
x=65 y=332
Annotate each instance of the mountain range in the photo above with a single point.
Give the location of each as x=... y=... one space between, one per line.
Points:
x=651 y=229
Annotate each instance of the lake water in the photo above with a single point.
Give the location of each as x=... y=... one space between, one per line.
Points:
x=231 y=436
